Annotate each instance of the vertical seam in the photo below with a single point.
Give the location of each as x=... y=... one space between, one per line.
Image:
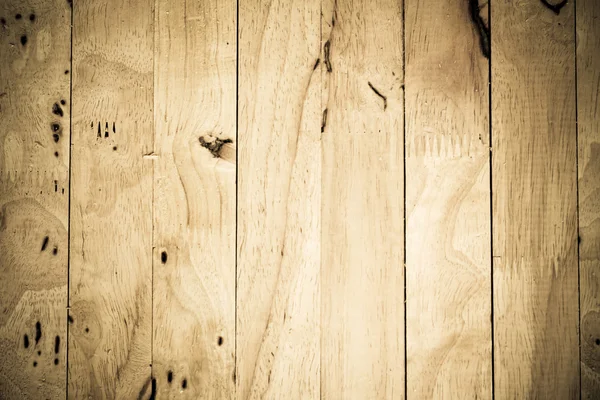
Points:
x=72 y=4
x=491 y=165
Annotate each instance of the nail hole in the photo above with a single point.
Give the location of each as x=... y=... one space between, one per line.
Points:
x=55 y=251
x=18 y=16
x=170 y=376
x=25 y=341
x=87 y=330
x=63 y=102
x=35 y=364
x=56 y=154
x=220 y=341
x=24 y=40
x=114 y=148
x=32 y=17
x=184 y=384
x=163 y=257
x=2 y=21
x=597 y=342
x=56 y=361
x=66 y=71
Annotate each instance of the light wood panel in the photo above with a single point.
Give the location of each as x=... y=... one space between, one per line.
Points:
x=111 y=200
x=536 y=345
x=279 y=197
x=588 y=122
x=448 y=247
x=362 y=342
x=194 y=199
x=34 y=183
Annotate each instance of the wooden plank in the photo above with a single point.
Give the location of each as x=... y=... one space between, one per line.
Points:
x=588 y=122
x=35 y=39
x=194 y=199
x=534 y=205
x=448 y=247
x=111 y=200
x=279 y=198
x=362 y=277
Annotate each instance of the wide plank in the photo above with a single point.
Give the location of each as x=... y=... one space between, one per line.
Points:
x=362 y=274
x=111 y=200
x=588 y=122
x=534 y=201
x=448 y=243
x=194 y=199
x=279 y=198
x=35 y=42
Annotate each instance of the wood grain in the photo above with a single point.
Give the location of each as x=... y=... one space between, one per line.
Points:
x=279 y=197
x=534 y=201
x=34 y=181
x=588 y=122
x=194 y=200
x=111 y=200
x=448 y=248
x=362 y=342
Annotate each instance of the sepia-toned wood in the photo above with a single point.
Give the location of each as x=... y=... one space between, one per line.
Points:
x=588 y=122
x=448 y=248
x=279 y=197
x=35 y=38
x=534 y=205
x=111 y=200
x=194 y=199
x=362 y=277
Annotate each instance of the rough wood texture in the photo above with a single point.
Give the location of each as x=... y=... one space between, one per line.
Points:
x=448 y=249
x=588 y=122
x=278 y=200
x=34 y=180
x=534 y=201
x=362 y=341
x=194 y=199
x=111 y=200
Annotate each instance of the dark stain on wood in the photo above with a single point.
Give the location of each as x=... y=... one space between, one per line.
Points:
x=38 y=332
x=327 y=51
x=44 y=245
x=554 y=7
x=214 y=146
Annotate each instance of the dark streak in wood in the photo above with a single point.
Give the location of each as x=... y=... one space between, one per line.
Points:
x=482 y=30
x=378 y=93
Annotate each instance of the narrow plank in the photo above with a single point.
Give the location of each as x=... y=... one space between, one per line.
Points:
x=194 y=199
x=35 y=38
x=588 y=122
x=111 y=200
x=279 y=198
x=448 y=247
x=534 y=201
x=362 y=275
